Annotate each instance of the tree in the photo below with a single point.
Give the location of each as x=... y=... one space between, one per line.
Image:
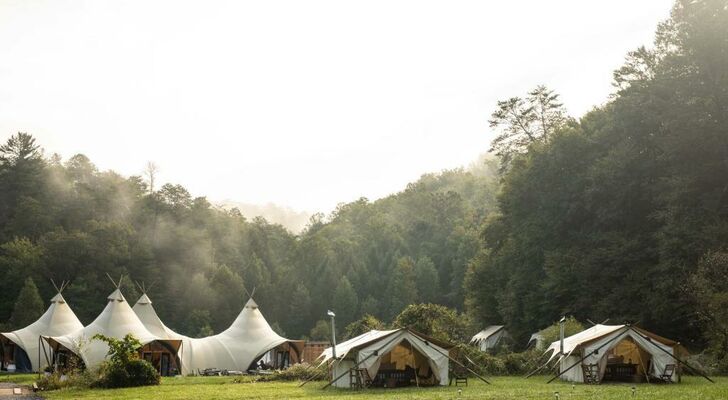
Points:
x=321 y=331
x=708 y=286
x=345 y=302
x=28 y=307
x=522 y=122
x=402 y=288
x=299 y=311
x=363 y=325
x=427 y=280
x=434 y=320
x=150 y=171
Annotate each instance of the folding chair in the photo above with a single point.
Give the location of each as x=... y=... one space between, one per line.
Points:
x=667 y=374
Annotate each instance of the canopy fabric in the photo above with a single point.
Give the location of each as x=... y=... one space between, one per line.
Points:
x=605 y=339
x=116 y=320
x=368 y=350
x=248 y=338
x=343 y=348
x=58 y=319
x=489 y=337
x=574 y=341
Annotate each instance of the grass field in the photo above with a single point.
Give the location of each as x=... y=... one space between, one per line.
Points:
x=200 y=388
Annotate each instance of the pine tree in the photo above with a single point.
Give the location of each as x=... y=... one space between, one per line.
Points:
x=346 y=302
x=28 y=307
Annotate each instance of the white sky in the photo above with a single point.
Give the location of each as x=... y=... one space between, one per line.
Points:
x=300 y=103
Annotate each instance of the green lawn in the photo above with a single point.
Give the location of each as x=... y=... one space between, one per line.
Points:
x=200 y=388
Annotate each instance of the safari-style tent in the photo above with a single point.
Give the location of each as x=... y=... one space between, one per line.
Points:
x=489 y=338
x=115 y=321
x=20 y=348
x=617 y=353
x=389 y=358
x=236 y=349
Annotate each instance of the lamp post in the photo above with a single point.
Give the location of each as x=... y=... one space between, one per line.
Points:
x=333 y=333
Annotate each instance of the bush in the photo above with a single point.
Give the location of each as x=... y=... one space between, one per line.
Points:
x=57 y=380
x=301 y=372
x=135 y=372
x=500 y=364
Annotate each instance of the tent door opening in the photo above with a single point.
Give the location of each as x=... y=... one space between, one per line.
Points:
x=161 y=357
x=404 y=365
x=627 y=362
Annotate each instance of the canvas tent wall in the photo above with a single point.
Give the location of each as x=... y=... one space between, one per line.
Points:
x=116 y=321
x=248 y=339
x=649 y=352
x=24 y=343
x=400 y=349
x=489 y=338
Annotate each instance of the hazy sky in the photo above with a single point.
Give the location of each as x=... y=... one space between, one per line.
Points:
x=300 y=103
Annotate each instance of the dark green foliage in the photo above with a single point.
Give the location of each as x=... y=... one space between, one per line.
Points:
x=124 y=368
x=436 y=321
x=365 y=324
x=28 y=307
x=321 y=331
x=133 y=373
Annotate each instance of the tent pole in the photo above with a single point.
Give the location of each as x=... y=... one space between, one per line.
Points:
x=453 y=360
x=414 y=362
x=596 y=351
x=668 y=353
x=359 y=363
x=537 y=369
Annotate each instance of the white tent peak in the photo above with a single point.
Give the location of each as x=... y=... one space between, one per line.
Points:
x=251 y=304
x=144 y=299
x=116 y=295
x=58 y=298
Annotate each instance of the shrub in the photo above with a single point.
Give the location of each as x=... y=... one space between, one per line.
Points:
x=74 y=378
x=302 y=372
x=135 y=372
x=124 y=368
x=500 y=364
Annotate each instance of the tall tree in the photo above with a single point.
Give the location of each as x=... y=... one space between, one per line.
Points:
x=28 y=307
x=524 y=121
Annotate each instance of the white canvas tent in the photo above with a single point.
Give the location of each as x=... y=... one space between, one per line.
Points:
x=116 y=321
x=489 y=338
x=58 y=319
x=235 y=349
x=537 y=340
x=393 y=350
x=602 y=344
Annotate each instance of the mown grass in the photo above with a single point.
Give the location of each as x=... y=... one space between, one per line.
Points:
x=691 y=388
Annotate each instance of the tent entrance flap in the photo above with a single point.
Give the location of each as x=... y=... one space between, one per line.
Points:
x=627 y=362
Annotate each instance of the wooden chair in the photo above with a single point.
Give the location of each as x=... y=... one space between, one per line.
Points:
x=460 y=376
x=667 y=373
x=591 y=373
x=359 y=378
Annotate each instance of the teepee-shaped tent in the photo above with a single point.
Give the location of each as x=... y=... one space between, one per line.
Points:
x=24 y=343
x=235 y=349
x=115 y=321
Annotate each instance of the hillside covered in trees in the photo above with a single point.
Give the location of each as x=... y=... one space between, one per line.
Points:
x=66 y=220
x=621 y=213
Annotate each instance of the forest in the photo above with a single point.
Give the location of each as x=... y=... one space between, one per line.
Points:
x=621 y=213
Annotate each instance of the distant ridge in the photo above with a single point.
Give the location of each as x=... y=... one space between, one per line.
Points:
x=291 y=219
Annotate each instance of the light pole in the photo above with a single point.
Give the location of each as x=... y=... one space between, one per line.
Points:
x=561 y=334
x=333 y=333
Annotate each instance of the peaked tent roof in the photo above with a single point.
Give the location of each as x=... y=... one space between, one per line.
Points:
x=486 y=333
x=572 y=342
x=116 y=320
x=58 y=319
x=146 y=313
x=249 y=337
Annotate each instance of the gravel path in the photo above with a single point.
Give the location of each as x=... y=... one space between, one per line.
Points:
x=7 y=392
